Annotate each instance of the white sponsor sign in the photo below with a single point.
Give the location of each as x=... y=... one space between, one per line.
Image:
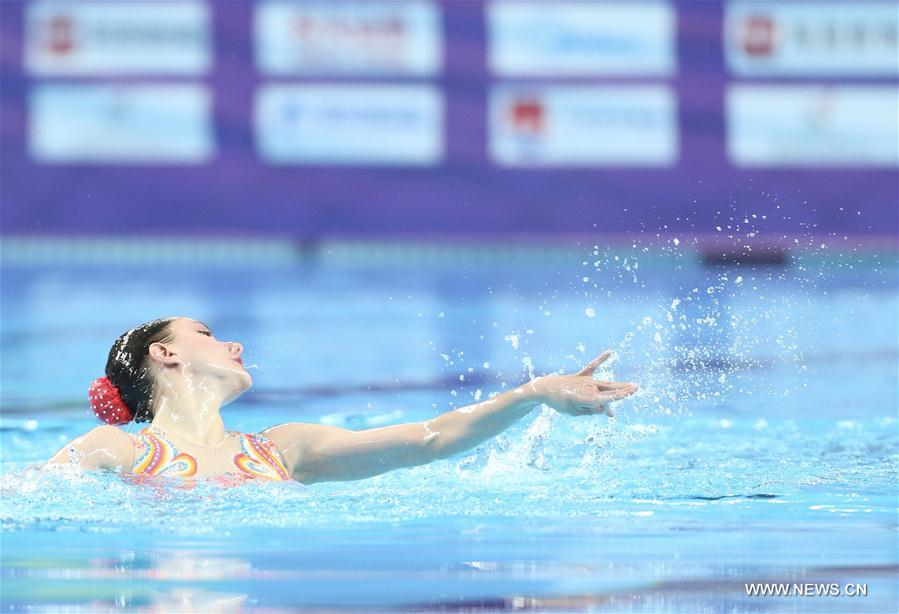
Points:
x=804 y=125
x=350 y=124
x=569 y=39
x=120 y=124
x=583 y=126
x=390 y=38
x=79 y=38
x=812 y=38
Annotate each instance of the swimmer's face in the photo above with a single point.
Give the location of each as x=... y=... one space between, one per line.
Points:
x=206 y=360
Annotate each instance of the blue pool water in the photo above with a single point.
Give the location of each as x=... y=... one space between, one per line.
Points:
x=762 y=446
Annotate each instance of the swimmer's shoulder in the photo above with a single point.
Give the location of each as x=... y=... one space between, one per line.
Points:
x=113 y=435
x=290 y=440
x=104 y=447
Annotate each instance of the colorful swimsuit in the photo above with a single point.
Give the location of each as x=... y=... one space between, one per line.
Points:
x=158 y=455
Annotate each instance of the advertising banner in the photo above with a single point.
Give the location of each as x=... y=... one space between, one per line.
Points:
x=811 y=125
x=379 y=38
x=851 y=39
x=117 y=38
x=583 y=125
x=121 y=124
x=350 y=124
x=553 y=39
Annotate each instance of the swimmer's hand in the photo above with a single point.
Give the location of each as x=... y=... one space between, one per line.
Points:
x=581 y=395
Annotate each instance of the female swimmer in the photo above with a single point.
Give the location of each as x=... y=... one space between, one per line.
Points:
x=174 y=374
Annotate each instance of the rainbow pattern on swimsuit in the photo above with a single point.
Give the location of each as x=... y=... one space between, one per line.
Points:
x=161 y=458
x=260 y=458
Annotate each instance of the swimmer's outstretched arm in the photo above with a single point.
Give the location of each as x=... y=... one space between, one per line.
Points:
x=316 y=452
x=105 y=447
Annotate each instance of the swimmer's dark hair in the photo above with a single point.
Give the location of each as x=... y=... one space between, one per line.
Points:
x=127 y=365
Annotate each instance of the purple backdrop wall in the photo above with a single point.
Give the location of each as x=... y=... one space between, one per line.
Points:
x=236 y=192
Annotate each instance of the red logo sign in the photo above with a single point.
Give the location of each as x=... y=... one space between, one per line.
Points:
x=528 y=116
x=60 y=35
x=758 y=35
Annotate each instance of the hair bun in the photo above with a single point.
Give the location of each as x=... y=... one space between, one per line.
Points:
x=107 y=403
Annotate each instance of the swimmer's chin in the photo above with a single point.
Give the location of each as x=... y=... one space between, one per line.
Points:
x=246 y=382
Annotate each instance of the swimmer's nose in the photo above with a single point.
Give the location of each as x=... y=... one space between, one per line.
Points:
x=235 y=348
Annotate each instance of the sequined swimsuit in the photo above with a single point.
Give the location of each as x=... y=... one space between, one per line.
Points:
x=156 y=454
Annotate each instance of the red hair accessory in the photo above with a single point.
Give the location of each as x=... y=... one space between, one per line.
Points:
x=107 y=403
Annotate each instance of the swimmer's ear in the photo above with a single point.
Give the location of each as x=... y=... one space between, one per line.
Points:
x=160 y=353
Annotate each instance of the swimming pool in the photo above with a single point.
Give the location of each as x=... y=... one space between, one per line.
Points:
x=762 y=446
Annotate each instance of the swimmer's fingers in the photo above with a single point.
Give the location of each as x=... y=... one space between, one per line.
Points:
x=619 y=393
x=590 y=369
x=590 y=402
x=603 y=386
